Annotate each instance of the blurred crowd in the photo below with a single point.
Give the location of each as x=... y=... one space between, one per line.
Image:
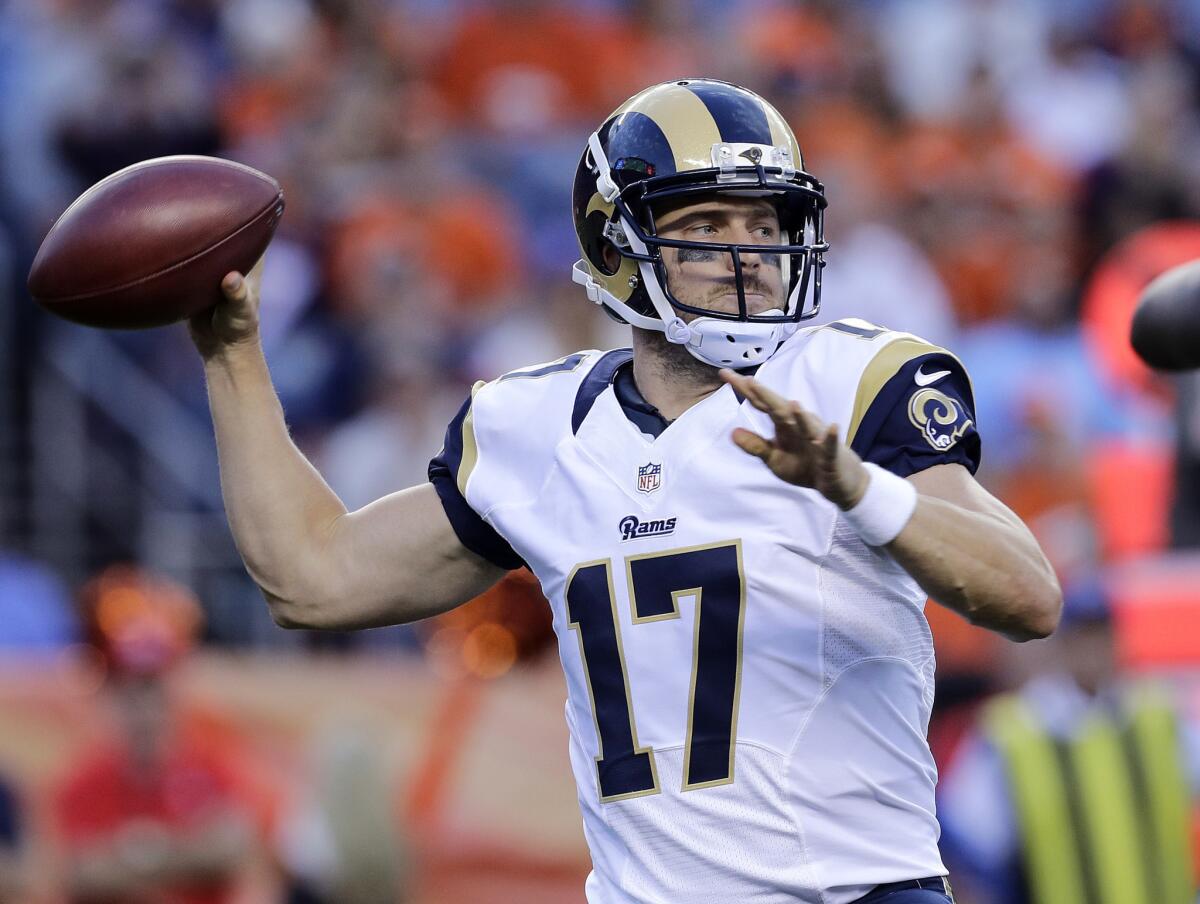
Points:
x=1003 y=176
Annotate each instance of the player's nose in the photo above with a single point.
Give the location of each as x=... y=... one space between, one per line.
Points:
x=750 y=260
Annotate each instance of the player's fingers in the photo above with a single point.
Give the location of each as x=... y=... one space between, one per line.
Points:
x=760 y=396
x=811 y=426
x=752 y=443
x=829 y=448
x=782 y=411
x=745 y=386
x=793 y=425
x=234 y=286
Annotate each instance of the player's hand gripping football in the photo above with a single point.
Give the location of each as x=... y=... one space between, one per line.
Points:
x=805 y=451
x=232 y=321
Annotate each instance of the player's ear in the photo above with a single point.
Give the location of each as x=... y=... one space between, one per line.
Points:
x=612 y=257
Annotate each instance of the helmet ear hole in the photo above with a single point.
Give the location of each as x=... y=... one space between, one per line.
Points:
x=600 y=251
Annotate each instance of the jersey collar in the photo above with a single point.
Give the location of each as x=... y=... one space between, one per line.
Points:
x=614 y=369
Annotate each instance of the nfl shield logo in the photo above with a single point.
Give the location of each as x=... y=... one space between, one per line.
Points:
x=649 y=477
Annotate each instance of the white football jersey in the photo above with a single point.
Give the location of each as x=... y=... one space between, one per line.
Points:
x=748 y=684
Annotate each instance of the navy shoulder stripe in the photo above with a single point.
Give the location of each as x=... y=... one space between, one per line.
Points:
x=738 y=120
x=568 y=363
x=599 y=378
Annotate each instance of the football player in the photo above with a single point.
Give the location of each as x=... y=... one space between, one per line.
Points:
x=737 y=523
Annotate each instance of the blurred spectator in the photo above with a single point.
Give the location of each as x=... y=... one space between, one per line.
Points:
x=875 y=270
x=1004 y=38
x=387 y=447
x=1075 y=111
x=341 y=844
x=532 y=79
x=49 y=51
x=1154 y=175
x=157 y=814
x=1082 y=780
x=148 y=101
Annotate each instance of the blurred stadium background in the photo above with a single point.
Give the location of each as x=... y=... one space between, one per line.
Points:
x=1003 y=175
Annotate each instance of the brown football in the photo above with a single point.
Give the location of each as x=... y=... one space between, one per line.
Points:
x=150 y=244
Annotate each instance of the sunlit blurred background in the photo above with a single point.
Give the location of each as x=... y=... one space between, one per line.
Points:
x=1003 y=177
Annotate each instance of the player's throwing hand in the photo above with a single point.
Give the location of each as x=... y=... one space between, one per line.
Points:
x=233 y=320
x=805 y=451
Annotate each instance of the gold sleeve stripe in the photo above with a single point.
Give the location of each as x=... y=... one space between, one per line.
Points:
x=882 y=368
x=470 y=453
x=681 y=114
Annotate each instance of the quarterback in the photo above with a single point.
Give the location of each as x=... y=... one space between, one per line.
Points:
x=737 y=522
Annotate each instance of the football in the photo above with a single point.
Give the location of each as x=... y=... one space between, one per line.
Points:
x=1166 y=322
x=149 y=245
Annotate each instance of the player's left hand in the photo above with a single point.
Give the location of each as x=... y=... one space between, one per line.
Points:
x=805 y=451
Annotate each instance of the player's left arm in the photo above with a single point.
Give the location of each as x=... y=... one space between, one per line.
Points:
x=970 y=552
x=964 y=547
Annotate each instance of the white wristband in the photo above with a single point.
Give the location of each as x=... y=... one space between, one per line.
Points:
x=884 y=508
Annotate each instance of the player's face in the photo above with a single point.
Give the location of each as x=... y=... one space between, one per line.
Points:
x=706 y=279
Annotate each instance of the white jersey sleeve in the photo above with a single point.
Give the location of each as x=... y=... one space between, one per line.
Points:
x=499 y=449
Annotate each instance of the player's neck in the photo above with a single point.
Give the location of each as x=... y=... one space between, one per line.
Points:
x=668 y=376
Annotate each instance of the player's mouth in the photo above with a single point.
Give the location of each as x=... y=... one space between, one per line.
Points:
x=756 y=302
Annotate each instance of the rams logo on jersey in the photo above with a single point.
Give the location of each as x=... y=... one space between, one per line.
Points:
x=940 y=418
x=633 y=529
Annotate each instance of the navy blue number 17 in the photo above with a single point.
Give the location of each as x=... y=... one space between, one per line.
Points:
x=712 y=577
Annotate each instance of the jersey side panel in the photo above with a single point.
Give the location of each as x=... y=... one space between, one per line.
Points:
x=876 y=652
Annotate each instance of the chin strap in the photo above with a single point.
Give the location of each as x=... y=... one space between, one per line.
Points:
x=676 y=330
x=725 y=343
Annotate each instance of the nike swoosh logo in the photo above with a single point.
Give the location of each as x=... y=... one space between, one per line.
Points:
x=923 y=379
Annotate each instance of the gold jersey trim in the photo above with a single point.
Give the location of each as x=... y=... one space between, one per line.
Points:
x=470 y=447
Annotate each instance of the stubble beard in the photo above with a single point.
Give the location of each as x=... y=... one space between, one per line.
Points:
x=672 y=362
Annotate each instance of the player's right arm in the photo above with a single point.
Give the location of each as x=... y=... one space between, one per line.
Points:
x=319 y=566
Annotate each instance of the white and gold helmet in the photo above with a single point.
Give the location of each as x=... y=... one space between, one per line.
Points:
x=694 y=137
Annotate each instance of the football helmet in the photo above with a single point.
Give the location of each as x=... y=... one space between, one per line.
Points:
x=686 y=139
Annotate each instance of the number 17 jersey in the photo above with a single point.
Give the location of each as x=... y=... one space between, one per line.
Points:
x=748 y=684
